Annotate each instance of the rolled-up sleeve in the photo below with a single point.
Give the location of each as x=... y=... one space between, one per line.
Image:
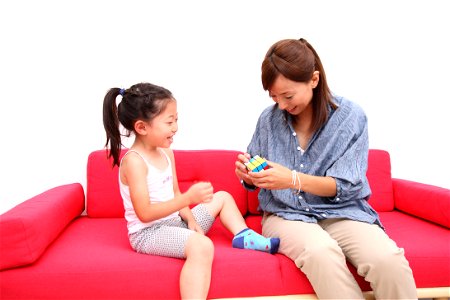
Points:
x=350 y=167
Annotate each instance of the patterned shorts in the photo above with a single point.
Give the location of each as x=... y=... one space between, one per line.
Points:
x=169 y=237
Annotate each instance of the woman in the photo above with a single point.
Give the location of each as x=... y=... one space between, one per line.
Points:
x=314 y=195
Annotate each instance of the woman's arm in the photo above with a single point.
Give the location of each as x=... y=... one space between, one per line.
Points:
x=279 y=177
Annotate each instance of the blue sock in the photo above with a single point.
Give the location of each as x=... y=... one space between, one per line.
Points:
x=249 y=239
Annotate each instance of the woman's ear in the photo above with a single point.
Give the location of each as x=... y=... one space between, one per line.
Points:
x=315 y=79
x=140 y=127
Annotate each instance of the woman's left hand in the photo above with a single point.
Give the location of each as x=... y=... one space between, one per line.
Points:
x=276 y=177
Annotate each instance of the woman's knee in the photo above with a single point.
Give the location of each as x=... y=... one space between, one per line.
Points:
x=390 y=263
x=327 y=252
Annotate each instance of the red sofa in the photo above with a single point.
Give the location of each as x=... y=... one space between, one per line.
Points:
x=50 y=249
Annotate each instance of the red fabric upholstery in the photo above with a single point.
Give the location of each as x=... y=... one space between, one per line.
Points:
x=427 y=247
x=253 y=202
x=27 y=229
x=92 y=259
x=210 y=165
x=423 y=200
x=99 y=264
x=103 y=196
x=380 y=181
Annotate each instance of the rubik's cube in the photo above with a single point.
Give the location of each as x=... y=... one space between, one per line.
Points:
x=257 y=164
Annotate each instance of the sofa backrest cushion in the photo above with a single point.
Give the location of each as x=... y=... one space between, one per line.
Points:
x=102 y=187
x=30 y=227
x=217 y=166
x=380 y=181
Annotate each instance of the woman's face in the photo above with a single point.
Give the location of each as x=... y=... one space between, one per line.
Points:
x=292 y=96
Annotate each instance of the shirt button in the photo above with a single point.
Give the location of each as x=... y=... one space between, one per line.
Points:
x=302 y=166
x=338 y=199
x=300 y=197
x=323 y=215
x=307 y=209
x=294 y=133
x=298 y=148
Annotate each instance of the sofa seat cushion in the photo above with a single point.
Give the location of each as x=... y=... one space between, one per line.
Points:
x=92 y=259
x=427 y=247
x=248 y=273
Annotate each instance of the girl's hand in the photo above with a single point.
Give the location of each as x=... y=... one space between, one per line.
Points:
x=193 y=225
x=200 y=192
x=276 y=177
x=241 y=170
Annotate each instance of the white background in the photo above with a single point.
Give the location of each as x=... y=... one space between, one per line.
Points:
x=59 y=58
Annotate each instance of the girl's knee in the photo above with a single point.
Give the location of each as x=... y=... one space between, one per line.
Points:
x=223 y=196
x=200 y=246
x=220 y=198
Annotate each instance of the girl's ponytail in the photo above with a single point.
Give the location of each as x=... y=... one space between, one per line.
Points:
x=142 y=101
x=111 y=124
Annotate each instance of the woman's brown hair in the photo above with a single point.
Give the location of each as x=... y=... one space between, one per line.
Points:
x=297 y=60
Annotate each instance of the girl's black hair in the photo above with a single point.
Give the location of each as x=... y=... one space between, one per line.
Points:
x=142 y=101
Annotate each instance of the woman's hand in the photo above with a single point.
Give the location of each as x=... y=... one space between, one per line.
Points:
x=241 y=170
x=276 y=177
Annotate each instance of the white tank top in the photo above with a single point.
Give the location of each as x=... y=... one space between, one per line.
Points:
x=160 y=187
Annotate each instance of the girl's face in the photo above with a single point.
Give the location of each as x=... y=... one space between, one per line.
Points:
x=292 y=96
x=164 y=126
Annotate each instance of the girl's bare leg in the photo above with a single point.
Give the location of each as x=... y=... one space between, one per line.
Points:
x=224 y=206
x=195 y=276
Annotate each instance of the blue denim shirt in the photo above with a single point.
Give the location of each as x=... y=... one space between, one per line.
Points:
x=339 y=149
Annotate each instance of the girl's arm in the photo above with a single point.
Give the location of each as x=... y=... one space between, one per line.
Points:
x=134 y=174
x=185 y=213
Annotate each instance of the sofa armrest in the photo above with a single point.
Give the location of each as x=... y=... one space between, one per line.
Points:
x=425 y=201
x=27 y=229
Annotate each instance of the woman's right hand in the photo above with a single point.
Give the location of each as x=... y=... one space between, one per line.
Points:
x=200 y=192
x=241 y=170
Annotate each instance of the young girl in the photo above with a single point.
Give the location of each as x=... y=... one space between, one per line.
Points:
x=158 y=216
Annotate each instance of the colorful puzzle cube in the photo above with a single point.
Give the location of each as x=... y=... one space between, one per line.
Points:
x=256 y=164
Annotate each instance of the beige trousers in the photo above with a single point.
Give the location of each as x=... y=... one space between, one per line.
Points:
x=320 y=251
